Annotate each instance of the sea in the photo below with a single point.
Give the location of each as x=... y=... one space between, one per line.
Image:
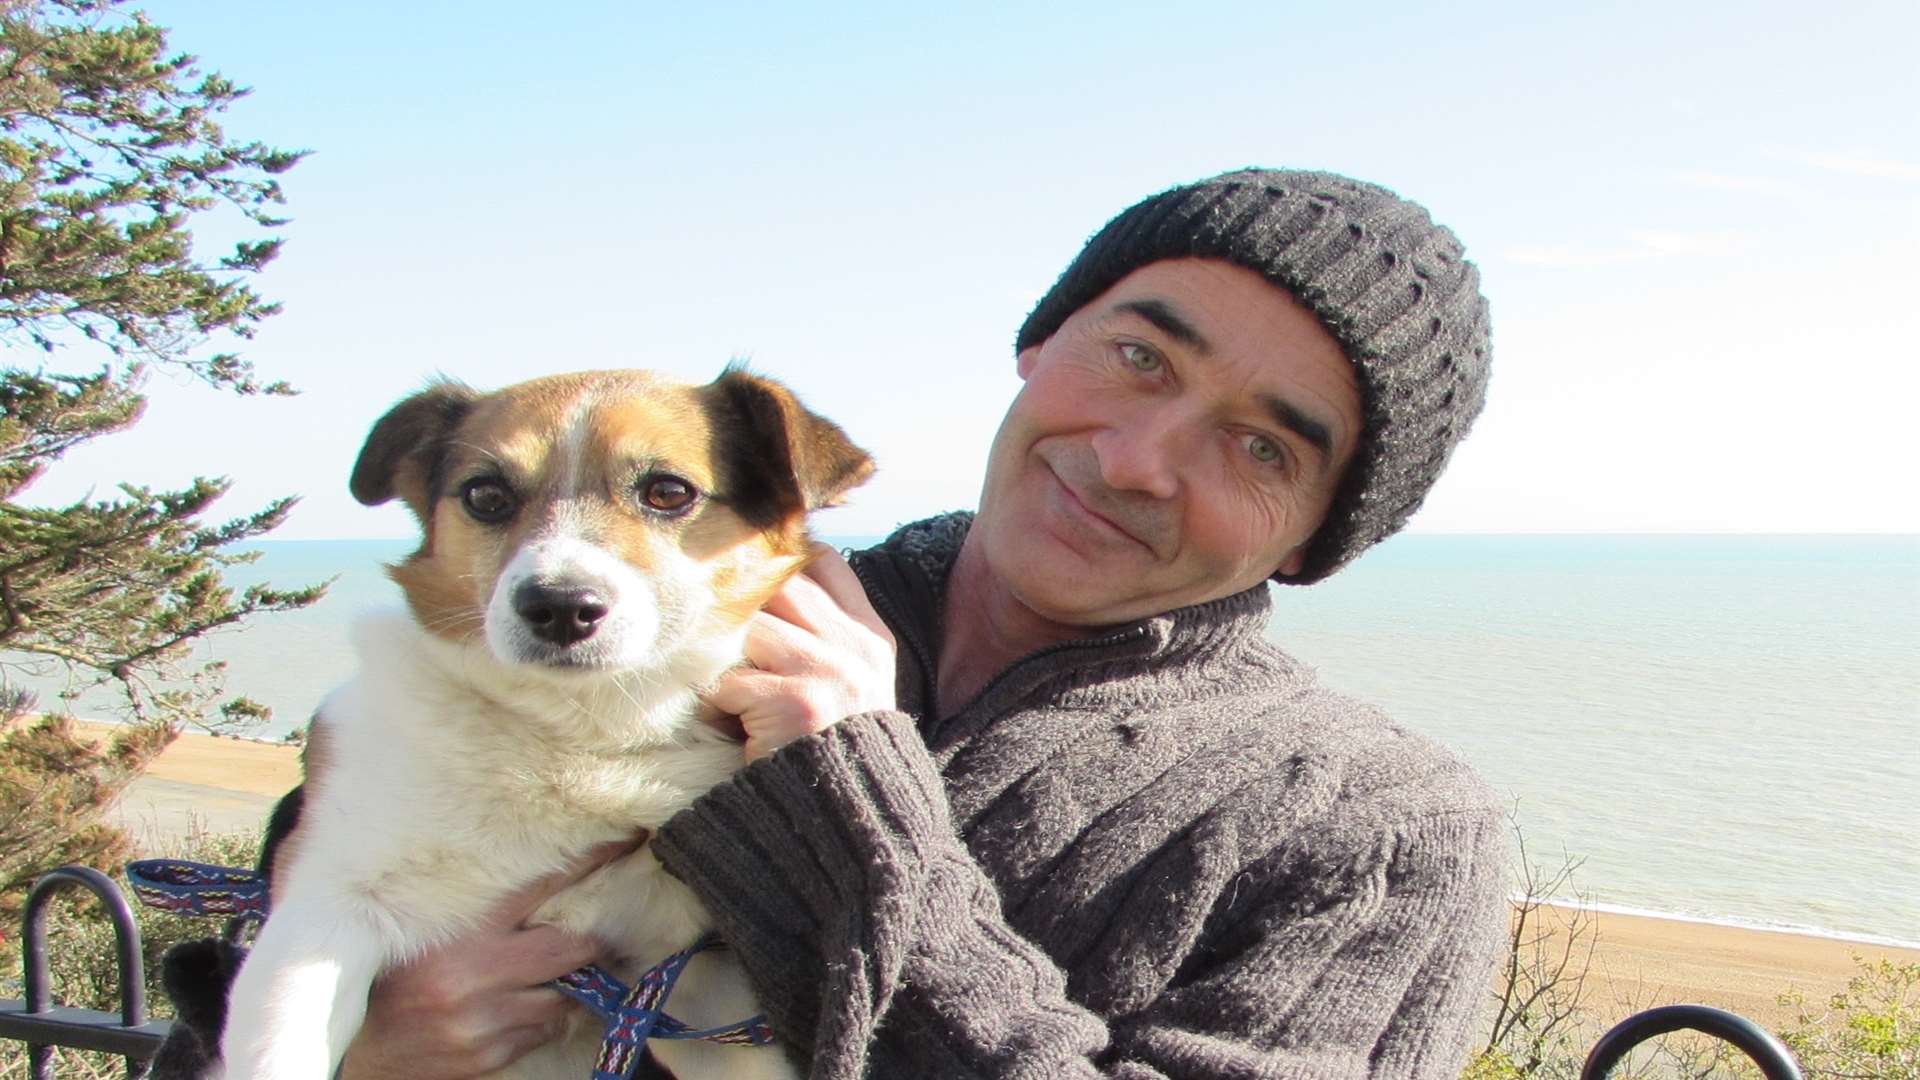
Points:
x=1716 y=728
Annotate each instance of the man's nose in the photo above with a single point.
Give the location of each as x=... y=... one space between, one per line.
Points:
x=1142 y=453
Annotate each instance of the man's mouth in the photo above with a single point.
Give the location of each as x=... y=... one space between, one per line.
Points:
x=1094 y=515
x=1098 y=513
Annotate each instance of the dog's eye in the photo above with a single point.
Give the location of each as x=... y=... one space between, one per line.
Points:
x=667 y=494
x=488 y=500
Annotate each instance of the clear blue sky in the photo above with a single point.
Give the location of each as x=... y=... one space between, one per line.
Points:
x=1698 y=224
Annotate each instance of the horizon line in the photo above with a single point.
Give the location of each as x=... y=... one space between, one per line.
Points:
x=1879 y=533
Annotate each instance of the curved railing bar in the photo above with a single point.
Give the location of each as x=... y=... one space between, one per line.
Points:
x=33 y=943
x=1756 y=1042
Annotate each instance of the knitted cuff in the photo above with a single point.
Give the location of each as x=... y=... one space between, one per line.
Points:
x=800 y=855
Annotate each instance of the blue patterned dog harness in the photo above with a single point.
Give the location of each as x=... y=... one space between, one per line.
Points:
x=630 y=1016
x=191 y=888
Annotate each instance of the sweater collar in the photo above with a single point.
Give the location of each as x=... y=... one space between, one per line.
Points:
x=908 y=573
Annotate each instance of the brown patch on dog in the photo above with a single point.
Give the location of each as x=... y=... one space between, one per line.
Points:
x=400 y=452
x=577 y=451
x=783 y=460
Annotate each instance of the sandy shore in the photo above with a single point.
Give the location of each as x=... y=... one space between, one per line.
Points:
x=1637 y=962
x=204 y=783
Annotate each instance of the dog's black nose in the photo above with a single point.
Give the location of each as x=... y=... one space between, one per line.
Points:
x=559 y=615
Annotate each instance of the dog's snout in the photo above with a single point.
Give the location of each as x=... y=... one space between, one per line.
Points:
x=559 y=615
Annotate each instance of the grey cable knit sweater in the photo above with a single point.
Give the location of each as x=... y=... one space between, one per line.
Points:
x=1164 y=852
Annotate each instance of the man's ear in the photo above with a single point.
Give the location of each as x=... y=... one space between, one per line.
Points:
x=1295 y=561
x=406 y=444
x=781 y=459
x=1024 y=361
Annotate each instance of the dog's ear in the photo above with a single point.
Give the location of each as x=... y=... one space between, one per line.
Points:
x=406 y=444
x=782 y=460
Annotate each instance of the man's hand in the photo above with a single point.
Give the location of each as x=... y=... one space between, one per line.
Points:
x=820 y=654
x=477 y=1003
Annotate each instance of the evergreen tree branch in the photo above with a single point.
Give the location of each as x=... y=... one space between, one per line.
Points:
x=110 y=147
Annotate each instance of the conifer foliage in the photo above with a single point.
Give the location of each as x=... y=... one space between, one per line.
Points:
x=109 y=147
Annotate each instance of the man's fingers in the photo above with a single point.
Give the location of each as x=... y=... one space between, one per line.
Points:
x=802 y=601
x=502 y=960
x=819 y=654
x=825 y=592
x=789 y=632
x=540 y=953
x=837 y=580
x=740 y=689
x=778 y=645
x=517 y=1042
x=835 y=575
x=722 y=720
x=536 y=1008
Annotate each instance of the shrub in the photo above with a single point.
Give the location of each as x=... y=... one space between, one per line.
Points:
x=81 y=955
x=1870 y=1030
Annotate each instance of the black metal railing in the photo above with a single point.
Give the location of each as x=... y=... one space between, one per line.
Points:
x=1750 y=1038
x=42 y=1025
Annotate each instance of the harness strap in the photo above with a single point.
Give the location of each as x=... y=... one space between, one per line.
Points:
x=631 y=1015
x=634 y=1015
x=191 y=888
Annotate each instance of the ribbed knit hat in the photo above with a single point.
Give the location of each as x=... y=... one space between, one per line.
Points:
x=1389 y=284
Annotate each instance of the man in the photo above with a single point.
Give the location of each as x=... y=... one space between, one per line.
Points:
x=1028 y=793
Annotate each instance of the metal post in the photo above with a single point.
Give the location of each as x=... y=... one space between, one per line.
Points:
x=33 y=944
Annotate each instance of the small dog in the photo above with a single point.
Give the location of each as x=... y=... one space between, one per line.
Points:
x=594 y=547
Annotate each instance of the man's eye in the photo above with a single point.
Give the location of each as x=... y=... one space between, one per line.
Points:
x=1263 y=449
x=1139 y=357
x=488 y=500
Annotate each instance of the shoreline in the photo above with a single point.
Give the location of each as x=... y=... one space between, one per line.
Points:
x=1846 y=937
x=1637 y=958
x=1637 y=961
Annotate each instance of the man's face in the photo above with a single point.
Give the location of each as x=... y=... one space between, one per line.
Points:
x=1178 y=439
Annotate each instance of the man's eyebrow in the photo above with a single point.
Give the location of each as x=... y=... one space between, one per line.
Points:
x=1289 y=416
x=1171 y=323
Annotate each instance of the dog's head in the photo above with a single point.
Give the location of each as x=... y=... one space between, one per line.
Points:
x=603 y=521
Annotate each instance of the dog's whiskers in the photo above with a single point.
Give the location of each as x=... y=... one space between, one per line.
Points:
x=620 y=684
x=455 y=622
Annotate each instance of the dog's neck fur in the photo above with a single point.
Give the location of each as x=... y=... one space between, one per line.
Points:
x=612 y=711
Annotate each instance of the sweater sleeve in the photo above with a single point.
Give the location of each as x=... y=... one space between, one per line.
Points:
x=878 y=947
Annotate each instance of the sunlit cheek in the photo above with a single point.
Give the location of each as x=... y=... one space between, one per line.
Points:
x=1247 y=526
x=1076 y=387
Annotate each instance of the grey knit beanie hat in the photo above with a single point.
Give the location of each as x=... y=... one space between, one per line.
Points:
x=1388 y=283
